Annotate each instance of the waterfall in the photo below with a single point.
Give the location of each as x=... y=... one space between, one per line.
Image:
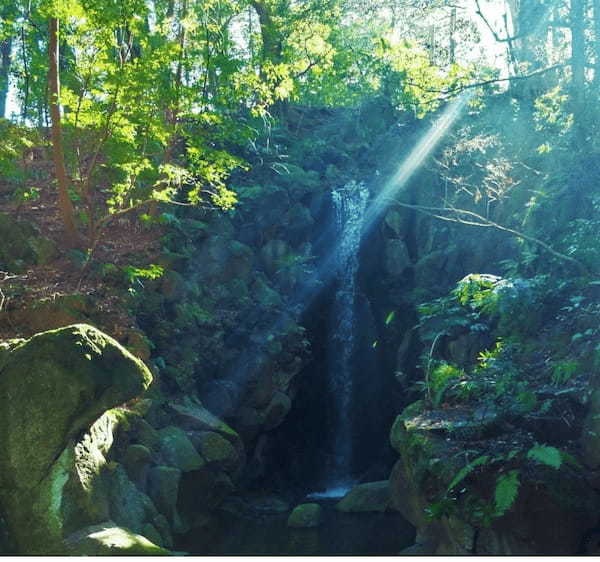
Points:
x=349 y=203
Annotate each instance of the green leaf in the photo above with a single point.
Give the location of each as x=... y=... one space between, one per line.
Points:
x=507 y=488
x=466 y=470
x=390 y=317
x=544 y=454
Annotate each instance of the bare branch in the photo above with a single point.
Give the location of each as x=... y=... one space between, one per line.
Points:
x=482 y=221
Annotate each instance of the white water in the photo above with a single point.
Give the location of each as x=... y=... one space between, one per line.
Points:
x=331 y=493
x=349 y=203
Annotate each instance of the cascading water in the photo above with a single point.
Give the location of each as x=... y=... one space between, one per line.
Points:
x=349 y=203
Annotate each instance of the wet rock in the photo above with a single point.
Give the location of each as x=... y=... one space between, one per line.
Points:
x=372 y=496
x=305 y=515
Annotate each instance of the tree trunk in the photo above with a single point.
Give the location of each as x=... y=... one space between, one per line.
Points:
x=5 y=61
x=271 y=37
x=64 y=202
x=578 y=68
x=596 y=44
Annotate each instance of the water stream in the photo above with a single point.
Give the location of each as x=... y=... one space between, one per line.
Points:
x=349 y=203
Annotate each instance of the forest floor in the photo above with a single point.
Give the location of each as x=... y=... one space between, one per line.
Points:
x=124 y=243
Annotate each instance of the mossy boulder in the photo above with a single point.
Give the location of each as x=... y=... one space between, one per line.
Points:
x=53 y=387
x=178 y=450
x=218 y=450
x=305 y=515
x=108 y=539
x=371 y=496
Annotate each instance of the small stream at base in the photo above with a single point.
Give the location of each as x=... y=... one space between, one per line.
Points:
x=359 y=534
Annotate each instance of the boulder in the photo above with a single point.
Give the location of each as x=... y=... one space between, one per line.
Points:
x=128 y=506
x=136 y=460
x=163 y=486
x=177 y=449
x=217 y=450
x=371 y=496
x=108 y=539
x=53 y=387
x=305 y=515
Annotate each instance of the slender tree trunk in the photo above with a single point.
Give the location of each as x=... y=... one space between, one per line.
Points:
x=452 y=53
x=596 y=44
x=578 y=68
x=64 y=202
x=5 y=61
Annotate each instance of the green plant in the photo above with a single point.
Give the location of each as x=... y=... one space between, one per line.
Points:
x=440 y=379
x=564 y=370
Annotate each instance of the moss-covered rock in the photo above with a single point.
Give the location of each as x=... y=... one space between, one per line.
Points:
x=371 y=496
x=53 y=387
x=178 y=450
x=108 y=539
x=305 y=515
x=218 y=450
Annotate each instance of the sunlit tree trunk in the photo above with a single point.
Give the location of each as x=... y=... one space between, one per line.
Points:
x=64 y=202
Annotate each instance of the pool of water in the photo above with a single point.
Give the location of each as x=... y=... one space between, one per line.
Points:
x=365 y=534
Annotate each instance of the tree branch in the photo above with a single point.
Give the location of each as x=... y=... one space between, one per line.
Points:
x=485 y=222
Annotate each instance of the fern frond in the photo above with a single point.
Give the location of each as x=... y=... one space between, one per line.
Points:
x=466 y=470
x=507 y=488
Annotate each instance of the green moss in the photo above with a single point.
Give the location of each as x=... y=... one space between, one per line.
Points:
x=215 y=448
x=53 y=387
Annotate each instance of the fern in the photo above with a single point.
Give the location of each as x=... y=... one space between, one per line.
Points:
x=507 y=488
x=544 y=454
x=466 y=470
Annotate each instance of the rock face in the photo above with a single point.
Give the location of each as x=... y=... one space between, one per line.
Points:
x=54 y=434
